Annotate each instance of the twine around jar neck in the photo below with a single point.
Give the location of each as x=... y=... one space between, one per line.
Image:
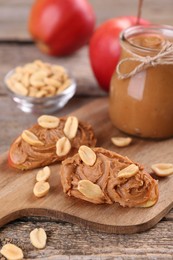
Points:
x=165 y=56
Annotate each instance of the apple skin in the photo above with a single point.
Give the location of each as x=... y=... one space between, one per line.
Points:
x=15 y=163
x=12 y=164
x=61 y=27
x=104 y=49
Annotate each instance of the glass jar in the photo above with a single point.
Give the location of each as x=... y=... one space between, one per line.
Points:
x=141 y=92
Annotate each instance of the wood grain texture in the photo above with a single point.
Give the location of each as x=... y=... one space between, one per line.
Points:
x=17 y=186
x=68 y=241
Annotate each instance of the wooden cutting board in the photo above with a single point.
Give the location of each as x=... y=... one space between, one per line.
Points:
x=17 y=199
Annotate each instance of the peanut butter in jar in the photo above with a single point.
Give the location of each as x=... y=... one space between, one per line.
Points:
x=141 y=93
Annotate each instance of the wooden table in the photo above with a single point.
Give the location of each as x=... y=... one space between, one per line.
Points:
x=67 y=241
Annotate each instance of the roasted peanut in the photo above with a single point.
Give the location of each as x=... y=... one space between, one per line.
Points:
x=63 y=146
x=47 y=121
x=87 y=155
x=121 y=141
x=12 y=252
x=41 y=93
x=38 y=238
x=41 y=188
x=162 y=169
x=71 y=127
x=43 y=175
x=51 y=82
x=63 y=86
x=48 y=80
x=129 y=171
x=18 y=88
x=25 y=80
x=90 y=190
x=31 y=138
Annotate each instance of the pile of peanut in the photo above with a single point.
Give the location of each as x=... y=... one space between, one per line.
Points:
x=38 y=79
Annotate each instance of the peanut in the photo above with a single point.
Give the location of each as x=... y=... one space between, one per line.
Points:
x=12 y=252
x=51 y=91
x=51 y=82
x=162 y=169
x=90 y=190
x=18 y=88
x=49 y=122
x=71 y=127
x=129 y=171
x=58 y=69
x=38 y=238
x=41 y=93
x=41 y=188
x=30 y=68
x=87 y=155
x=25 y=80
x=63 y=146
x=121 y=141
x=31 y=138
x=64 y=86
x=37 y=78
x=43 y=174
x=48 y=80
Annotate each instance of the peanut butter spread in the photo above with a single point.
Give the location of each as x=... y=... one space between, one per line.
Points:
x=139 y=189
x=24 y=156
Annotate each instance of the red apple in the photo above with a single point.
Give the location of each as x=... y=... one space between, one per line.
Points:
x=104 y=48
x=61 y=27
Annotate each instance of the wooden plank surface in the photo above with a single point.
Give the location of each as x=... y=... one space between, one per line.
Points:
x=70 y=242
x=16 y=184
x=67 y=241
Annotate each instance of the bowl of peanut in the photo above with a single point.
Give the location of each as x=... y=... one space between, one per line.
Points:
x=40 y=87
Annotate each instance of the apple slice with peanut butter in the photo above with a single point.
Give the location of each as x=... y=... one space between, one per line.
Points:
x=51 y=140
x=110 y=178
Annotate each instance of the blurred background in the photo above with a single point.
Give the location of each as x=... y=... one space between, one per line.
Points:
x=14 y=14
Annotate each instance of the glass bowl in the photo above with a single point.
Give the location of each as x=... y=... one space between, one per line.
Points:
x=42 y=105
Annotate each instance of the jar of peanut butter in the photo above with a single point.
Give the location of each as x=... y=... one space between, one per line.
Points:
x=141 y=92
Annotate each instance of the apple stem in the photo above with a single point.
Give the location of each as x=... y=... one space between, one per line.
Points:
x=140 y=2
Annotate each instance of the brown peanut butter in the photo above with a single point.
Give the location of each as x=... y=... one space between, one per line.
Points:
x=24 y=156
x=131 y=191
x=142 y=104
